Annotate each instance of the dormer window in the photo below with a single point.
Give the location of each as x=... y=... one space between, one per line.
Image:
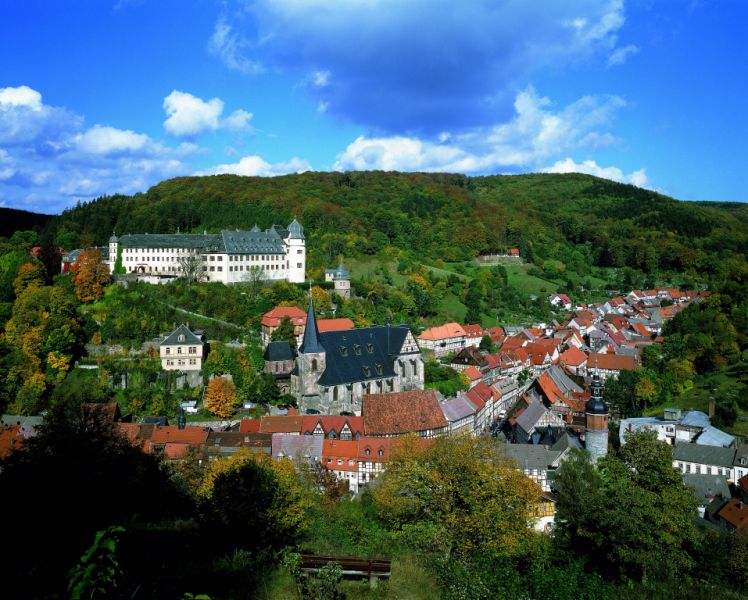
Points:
x=181 y=337
x=367 y=452
x=379 y=369
x=357 y=349
x=367 y=371
x=380 y=452
x=344 y=351
x=370 y=348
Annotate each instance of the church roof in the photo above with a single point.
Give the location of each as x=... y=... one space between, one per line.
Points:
x=311 y=342
x=361 y=354
x=280 y=350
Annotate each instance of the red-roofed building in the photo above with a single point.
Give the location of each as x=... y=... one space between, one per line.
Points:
x=333 y=427
x=250 y=425
x=473 y=334
x=399 y=413
x=609 y=365
x=560 y=301
x=11 y=439
x=271 y=321
x=573 y=360
x=474 y=375
x=281 y=424
x=735 y=514
x=444 y=339
x=164 y=436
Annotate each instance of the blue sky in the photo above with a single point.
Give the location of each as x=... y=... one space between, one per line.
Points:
x=100 y=97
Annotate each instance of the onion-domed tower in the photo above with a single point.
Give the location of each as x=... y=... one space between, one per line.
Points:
x=596 y=430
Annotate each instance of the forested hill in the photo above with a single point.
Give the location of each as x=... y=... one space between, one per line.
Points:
x=12 y=220
x=567 y=218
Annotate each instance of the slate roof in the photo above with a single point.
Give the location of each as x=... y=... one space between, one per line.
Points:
x=32 y=421
x=531 y=415
x=171 y=240
x=252 y=242
x=360 y=354
x=457 y=408
x=402 y=412
x=295 y=230
x=705 y=455
x=173 y=337
x=279 y=351
x=706 y=487
x=695 y=418
x=310 y=342
x=307 y=447
x=531 y=456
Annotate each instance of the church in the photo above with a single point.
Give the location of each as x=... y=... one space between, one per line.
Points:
x=335 y=369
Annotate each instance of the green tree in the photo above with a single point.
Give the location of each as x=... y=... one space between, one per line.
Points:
x=284 y=332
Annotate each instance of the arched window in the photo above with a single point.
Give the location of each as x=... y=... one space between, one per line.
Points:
x=367 y=452
x=380 y=452
x=314 y=364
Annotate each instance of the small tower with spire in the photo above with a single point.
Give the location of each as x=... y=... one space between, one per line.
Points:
x=113 y=249
x=342 y=281
x=596 y=429
x=311 y=363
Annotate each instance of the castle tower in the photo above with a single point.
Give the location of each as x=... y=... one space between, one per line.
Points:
x=596 y=429
x=113 y=247
x=342 y=282
x=296 y=256
x=311 y=363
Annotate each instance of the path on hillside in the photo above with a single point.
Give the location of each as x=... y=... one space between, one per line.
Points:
x=194 y=314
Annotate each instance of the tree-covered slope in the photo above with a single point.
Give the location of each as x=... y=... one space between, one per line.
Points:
x=574 y=219
x=12 y=220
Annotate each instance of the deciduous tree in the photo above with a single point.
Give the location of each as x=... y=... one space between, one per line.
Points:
x=220 y=397
x=90 y=276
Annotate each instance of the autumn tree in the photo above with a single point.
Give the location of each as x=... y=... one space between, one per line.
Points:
x=458 y=495
x=90 y=275
x=220 y=397
x=30 y=273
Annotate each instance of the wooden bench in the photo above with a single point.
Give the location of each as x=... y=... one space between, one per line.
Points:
x=352 y=567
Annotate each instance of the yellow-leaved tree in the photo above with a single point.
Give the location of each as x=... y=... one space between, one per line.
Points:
x=90 y=275
x=220 y=397
x=458 y=495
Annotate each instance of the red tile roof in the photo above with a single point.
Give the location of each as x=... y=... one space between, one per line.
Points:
x=473 y=373
x=175 y=450
x=446 y=331
x=250 y=425
x=274 y=317
x=331 y=422
x=192 y=435
x=324 y=325
x=735 y=512
x=280 y=424
x=493 y=361
x=611 y=362
x=334 y=450
x=10 y=439
x=402 y=412
x=473 y=331
x=573 y=356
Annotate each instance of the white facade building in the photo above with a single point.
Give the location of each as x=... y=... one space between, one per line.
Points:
x=231 y=256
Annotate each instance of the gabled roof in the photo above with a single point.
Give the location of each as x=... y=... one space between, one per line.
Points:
x=473 y=373
x=529 y=417
x=530 y=456
x=611 y=362
x=303 y=447
x=457 y=408
x=252 y=242
x=274 y=317
x=402 y=412
x=172 y=434
x=735 y=512
x=250 y=425
x=446 y=331
x=573 y=357
x=331 y=423
x=707 y=487
x=189 y=337
x=473 y=331
x=280 y=424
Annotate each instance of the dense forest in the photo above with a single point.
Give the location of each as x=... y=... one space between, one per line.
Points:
x=560 y=222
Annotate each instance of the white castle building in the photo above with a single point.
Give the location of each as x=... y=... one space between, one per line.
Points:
x=230 y=256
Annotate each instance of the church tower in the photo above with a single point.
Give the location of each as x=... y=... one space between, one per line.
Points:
x=311 y=363
x=596 y=430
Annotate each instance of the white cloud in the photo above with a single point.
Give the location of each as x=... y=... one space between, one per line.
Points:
x=322 y=106
x=108 y=140
x=535 y=134
x=590 y=167
x=320 y=79
x=239 y=119
x=231 y=48
x=7 y=169
x=620 y=55
x=188 y=115
x=254 y=165
x=20 y=96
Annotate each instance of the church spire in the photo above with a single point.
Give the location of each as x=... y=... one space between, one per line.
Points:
x=311 y=344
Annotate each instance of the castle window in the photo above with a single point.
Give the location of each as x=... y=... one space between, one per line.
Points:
x=314 y=364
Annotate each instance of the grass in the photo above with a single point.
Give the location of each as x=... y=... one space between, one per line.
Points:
x=452 y=308
x=529 y=284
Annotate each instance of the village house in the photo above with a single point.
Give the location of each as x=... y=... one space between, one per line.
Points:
x=301 y=449
x=444 y=339
x=400 y=413
x=341 y=280
x=573 y=360
x=704 y=460
x=182 y=350
x=609 y=365
x=560 y=301
x=278 y=253
x=469 y=357
x=460 y=415
x=538 y=462
x=473 y=335
x=344 y=428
